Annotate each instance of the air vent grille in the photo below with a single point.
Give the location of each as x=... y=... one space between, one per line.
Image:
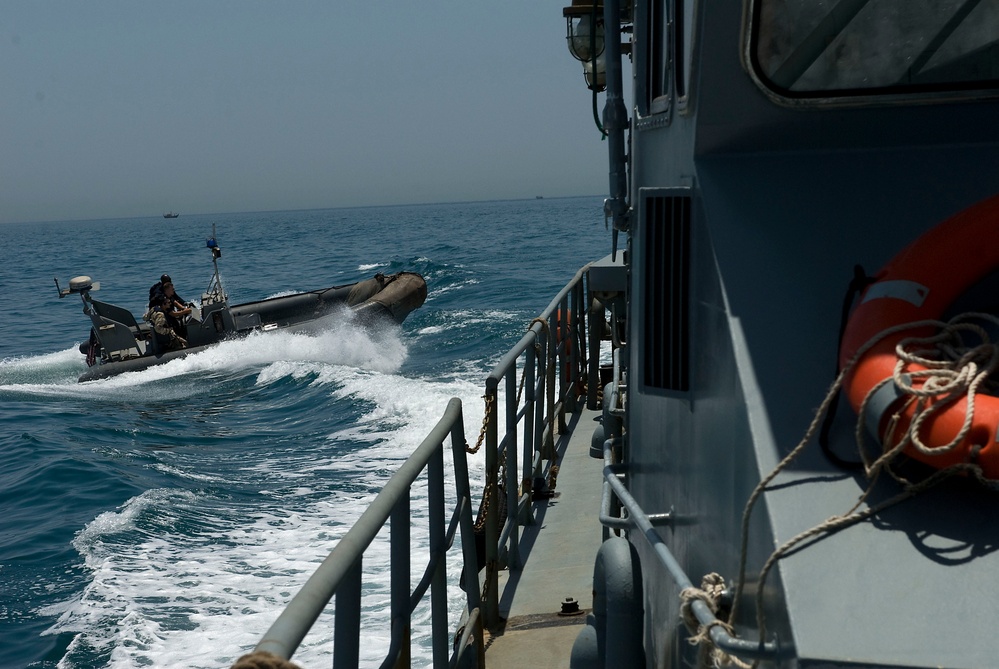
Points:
x=667 y=290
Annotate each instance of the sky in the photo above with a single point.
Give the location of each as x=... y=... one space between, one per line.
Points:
x=126 y=109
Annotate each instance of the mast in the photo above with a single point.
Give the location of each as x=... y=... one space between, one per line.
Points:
x=215 y=291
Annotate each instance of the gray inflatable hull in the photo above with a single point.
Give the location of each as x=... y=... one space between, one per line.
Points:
x=383 y=298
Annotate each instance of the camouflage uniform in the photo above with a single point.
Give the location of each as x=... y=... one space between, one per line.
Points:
x=158 y=320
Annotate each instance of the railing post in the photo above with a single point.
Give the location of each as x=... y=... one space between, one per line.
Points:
x=491 y=492
x=551 y=356
x=578 y=358
x=531 y=435
x=438 y=546
x=400 y=576
x=347 y=623
x=539 y=381
x=597 y=319
x=560 y=360
x=463 y=494
x=513 y=491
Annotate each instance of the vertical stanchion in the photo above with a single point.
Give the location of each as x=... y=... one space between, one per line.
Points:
x=561 y=362
x=578 y=359
x=551 y=363
x=538 y=385
x=510 y=449
x=399 y=551
x=595 y=333
x=463 y=493
x=438 y=547
x=347 y=624
x=491 y=494
x=531 y=439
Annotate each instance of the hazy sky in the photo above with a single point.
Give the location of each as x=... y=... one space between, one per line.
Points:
x=112 y=109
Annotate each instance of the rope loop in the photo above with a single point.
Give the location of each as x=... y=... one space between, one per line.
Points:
x=710 y=592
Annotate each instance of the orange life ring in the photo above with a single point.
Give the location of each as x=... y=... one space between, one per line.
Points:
x=920 y=283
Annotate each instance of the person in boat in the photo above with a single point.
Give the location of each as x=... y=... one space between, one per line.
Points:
x=175 y=309
x=158 y=288
x=156 y=316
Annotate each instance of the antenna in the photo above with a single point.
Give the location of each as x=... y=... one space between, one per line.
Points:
x=215 y=292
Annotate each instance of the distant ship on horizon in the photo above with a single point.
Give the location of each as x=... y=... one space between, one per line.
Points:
x=171 y=214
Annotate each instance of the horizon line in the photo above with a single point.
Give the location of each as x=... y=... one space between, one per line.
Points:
x=276 y=211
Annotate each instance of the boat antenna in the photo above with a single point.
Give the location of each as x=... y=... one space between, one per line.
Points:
x=215 y=292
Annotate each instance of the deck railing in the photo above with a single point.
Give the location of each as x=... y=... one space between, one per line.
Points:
x=542 y=378
x=340 y=575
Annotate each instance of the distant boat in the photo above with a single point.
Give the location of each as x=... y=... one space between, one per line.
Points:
x=171 y=214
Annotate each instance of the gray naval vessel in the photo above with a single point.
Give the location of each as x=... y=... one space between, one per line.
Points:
x=760 y=431
x=119 y=342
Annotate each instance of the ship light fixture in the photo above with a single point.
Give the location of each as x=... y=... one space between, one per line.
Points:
x=584 y=33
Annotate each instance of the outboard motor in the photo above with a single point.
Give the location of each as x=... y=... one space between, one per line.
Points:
x=82 y=285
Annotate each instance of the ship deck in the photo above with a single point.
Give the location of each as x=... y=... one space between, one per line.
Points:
x=558 y=553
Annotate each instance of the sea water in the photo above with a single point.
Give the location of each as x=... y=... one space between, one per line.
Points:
x=164 y=518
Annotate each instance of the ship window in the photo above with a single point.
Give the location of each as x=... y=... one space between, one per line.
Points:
x=666 y=336
x=665 y=44
x=817 y=48
x=680 y=38
x=656 y=67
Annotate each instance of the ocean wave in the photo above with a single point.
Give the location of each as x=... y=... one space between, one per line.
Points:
x=181 y=580
x=175 y=577
x=30 y=373
x=274 y=354
x=371 y=266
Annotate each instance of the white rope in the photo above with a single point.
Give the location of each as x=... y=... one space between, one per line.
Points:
x=954 y=370
x=710 y=592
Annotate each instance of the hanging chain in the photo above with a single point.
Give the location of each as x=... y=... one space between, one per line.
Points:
x=490 y=410
x=480 y=522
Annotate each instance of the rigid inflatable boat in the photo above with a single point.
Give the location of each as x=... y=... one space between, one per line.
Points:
x=119 y=343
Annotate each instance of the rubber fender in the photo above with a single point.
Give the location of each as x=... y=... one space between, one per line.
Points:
x=587 y=649
x=597 y=443
x=625 y=627
x=613 y=635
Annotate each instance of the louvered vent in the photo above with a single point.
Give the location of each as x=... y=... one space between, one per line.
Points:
x=667 y=292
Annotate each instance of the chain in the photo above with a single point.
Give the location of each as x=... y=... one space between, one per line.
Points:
x=490 y=410
x=480 y=522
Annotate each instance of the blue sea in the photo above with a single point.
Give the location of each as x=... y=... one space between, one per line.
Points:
x=163 y=518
